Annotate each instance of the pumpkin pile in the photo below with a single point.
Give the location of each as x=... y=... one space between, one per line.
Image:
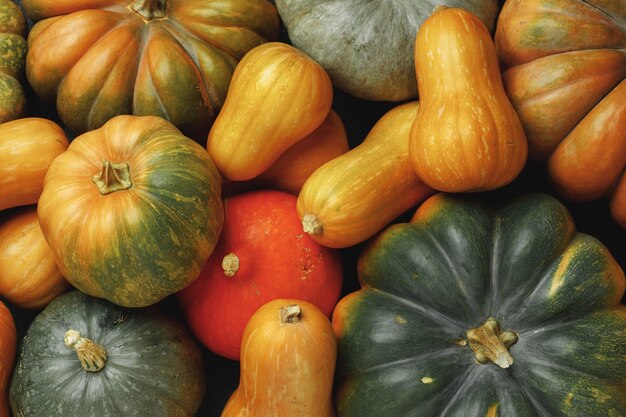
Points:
x=248 y=208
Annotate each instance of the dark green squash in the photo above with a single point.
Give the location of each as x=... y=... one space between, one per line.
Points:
x=152 y=366
x=471 y=310
x=12 y=61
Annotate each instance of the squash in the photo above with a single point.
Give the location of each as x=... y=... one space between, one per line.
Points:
x=173 y=59
x=287 y=363
x=475 y=309
x=8 y=346
x=278 y=95
x=84 y=356
x=367 y=47
x=12 y=61
x=29 y=276
x=27 y=147
x=131 y=210
x=289 y=172
x=355 y=195
x=566 y=68
x=466 y=136
x=262 y=255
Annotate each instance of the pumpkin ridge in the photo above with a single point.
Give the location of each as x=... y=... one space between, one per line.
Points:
x=534 y=400
x=460 y=390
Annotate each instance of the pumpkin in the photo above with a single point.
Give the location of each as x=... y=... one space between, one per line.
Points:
x=287 y=363
x=355 y=195
x=278 y=95
x=566 y=65
x=12 y=60
x=367 y=47
x=29 y=276
x=173 y=59
x=475 y=309
x=131 y=210
x=466 y=135
x=262 y=255
x=27 y=147
x=84 y=356
x=8 y=346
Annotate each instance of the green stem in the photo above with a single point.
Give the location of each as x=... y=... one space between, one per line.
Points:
x=113 y=177
x=150 y=9
x=92 y=356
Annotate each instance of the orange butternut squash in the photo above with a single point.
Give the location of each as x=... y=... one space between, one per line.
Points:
x=277 y=96
x=8 y=347
x=466 y=136
x=29 y=276
x=353 y=196
x=288 y=356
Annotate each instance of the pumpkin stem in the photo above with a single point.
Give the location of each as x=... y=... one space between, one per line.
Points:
x=490 y=344
x=150 y=9
x=290 y=314
x=230 y=264
x=113 y=177
x=92 y=356
x=311 y=224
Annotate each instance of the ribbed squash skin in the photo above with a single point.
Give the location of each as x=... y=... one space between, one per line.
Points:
x=138 y=245
x=12 y=61
x=565 y=75
x=8 y=347
x=401 y=337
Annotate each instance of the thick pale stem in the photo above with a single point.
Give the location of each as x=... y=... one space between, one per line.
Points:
x=311 y=224
x=490 y=344
x=92 y=356
x=230 y=264
x=113 y=177
x=290 y=314
x=150 y=9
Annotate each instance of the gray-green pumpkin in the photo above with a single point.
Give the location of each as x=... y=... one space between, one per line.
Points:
x=366 y=46
x=12 y=61
x=86 y=357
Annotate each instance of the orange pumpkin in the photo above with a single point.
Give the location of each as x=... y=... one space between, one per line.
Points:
x=466 y=135
x=8 y=347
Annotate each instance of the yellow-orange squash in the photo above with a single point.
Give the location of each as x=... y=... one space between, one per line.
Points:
x=27 y=147
x=29 y=276
x=565 y=75
x=287 y=363
x=353 y=196
x=8 y=346
x=466 y=136
x=278 y=95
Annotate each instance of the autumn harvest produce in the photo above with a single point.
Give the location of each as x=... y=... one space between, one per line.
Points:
x=287 y=363
x=355 y=195
x=27 y=148
x=367 y=47
x=466 y=135
x=278 y=95
x=568 y=87
x=131 y=210
x=12 y=61
x=484 y=310
x=262 y=255
x=84 y=356
x=29 y=276
x=8 y=347
x=173 y=59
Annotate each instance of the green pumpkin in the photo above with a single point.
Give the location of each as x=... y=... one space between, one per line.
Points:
x=138 y=362
x=12 y=61
x=472 y=310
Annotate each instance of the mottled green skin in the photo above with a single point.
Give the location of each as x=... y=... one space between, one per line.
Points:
x=12 y=60
x=154 y=367
x=426 y=283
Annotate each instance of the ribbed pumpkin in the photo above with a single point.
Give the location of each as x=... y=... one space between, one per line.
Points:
x=8 y=347
x=474 y=310
x=12 y=60
x=132 y=210
x=566 y=75
x=174 y=59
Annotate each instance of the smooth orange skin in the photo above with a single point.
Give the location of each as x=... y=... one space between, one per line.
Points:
x=27 y=147
x=466 y=136
x=8 y=347
x=618 y=202
x=286 y=369
x=29 y=276
x=277 y=96
x=358 y=193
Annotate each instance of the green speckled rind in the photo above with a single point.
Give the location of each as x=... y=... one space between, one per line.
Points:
x=524 y=264
x=12 y=61
x=154 y=367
